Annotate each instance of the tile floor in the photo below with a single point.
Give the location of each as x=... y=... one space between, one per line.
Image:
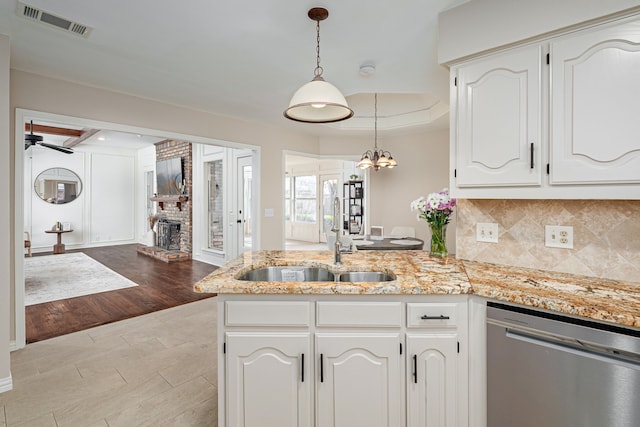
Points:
x=299 y=245
x=154 y=370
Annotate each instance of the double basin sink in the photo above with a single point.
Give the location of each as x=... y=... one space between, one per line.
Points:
x=312 y=274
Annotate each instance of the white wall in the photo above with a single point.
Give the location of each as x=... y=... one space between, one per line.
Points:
x=423 y=168
x=105 y=211
x=112 y=208
x=480 y=25
x=6 y=231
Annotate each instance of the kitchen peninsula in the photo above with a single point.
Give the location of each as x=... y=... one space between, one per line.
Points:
x=419 y=274
x=360 y=353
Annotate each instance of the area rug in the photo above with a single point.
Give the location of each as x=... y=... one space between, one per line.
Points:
x=56 y=277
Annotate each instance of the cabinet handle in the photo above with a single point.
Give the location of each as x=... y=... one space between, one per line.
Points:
x=531 y=156
x=321 y=368
x=441 y=317
x=302 y=368
x=415 y=369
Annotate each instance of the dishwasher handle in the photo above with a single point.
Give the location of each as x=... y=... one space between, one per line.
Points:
x=588 y=352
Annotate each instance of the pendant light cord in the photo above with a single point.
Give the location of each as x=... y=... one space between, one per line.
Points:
x=375 y=121
x=318 y=71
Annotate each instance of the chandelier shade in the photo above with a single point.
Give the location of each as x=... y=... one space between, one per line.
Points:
x=376 y=158
x=318 y=101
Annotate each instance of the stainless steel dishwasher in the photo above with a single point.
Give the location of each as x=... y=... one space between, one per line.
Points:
x=548 y=370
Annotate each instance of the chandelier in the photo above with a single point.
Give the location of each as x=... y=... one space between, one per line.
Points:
x=318 y=101
x=376 y=158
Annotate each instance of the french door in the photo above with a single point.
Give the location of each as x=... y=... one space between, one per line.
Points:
x=244 y=204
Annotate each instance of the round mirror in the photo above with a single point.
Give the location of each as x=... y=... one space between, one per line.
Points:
x=58 y=186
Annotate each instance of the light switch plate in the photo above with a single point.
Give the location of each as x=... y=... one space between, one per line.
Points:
x=558 y=236
x=487 y=232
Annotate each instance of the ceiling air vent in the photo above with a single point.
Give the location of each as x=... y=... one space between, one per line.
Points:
x=34 y=14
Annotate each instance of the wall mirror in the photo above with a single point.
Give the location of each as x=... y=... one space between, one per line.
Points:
x=58 y=186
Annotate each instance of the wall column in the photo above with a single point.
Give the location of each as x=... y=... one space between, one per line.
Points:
x=6 y=249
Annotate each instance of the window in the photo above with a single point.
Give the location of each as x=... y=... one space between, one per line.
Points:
x=215 y=207
x=305 y=189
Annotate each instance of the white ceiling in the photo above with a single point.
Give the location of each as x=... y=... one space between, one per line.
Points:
x=243 y=59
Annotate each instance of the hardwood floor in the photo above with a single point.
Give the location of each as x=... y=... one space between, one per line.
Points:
x=161 y=285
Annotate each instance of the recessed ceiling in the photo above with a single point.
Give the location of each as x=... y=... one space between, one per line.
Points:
x=395 y=111
x=233 y=60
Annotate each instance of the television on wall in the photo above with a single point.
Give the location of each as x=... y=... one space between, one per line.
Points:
x=169 y=177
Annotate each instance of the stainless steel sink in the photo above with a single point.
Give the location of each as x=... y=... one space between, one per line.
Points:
x=294 y=273
x=365 y=276
x=288 y=274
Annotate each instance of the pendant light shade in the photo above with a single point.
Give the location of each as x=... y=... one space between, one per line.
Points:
x=318 y=101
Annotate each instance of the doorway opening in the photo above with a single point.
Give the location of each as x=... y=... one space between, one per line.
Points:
x=311 y=185
x=142 y=184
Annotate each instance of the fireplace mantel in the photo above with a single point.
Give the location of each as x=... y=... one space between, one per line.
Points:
x=178 y=200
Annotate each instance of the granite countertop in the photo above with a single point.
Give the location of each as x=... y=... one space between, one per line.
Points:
x=419 y=274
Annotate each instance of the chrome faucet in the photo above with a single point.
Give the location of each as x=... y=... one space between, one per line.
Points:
x=335 y=227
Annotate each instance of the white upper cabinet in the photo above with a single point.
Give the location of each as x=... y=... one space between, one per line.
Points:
x=499 y=126
x=564 y=127
x=595 y=106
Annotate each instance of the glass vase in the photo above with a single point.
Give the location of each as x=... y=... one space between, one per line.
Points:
x=438 y=240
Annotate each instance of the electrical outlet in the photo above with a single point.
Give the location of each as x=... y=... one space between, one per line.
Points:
x=487 y=232
x=558 y=236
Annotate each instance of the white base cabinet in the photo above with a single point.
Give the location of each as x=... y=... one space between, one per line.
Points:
x=432 y=388
x=266 y=379
x=358 y=382
x=338 y=361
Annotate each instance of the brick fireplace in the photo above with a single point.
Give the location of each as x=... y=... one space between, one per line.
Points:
x=176 y=212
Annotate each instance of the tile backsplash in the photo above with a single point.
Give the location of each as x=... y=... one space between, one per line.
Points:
x=606 y=235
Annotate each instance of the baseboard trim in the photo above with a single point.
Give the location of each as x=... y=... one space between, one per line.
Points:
x=13 y=346
x=6 y=384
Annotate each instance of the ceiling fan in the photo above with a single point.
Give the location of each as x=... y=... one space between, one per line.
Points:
x=30 y=139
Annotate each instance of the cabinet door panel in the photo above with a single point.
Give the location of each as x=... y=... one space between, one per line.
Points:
x=498 y=120
x=594 y=107
x=358 y=383
x=264 y=380
x=432 y=379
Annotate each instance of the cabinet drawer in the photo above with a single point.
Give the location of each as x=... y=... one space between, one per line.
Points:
x=267 y=313
x=359 y=314
x=431 y=315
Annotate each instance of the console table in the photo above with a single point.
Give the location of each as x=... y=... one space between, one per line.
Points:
x=58 y=248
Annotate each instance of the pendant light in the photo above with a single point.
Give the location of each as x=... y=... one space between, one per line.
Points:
x=318 y=101
x=376 y=158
